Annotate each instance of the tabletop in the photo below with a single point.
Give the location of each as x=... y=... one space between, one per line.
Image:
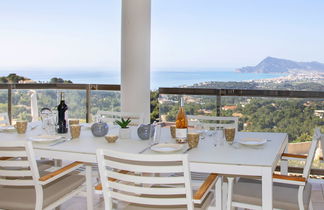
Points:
x=263 y=155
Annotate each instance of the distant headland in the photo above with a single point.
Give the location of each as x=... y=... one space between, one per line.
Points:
x=278 y=65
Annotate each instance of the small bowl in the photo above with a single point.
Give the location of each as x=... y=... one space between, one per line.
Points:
x=111 y=139
x=181 y=141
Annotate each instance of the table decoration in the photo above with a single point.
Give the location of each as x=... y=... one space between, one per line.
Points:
x=111 y=139
x=99 y=129
x=124 y=131
x=144 y=132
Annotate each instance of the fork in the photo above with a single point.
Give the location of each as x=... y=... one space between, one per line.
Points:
x=146 y=148
x=59 y=142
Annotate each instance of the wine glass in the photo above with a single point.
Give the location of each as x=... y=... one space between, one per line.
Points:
x=229 y=135
x=45 y=113
x=199 y=127
x=50 y=125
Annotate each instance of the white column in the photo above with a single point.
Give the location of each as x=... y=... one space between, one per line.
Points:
x=135 y=57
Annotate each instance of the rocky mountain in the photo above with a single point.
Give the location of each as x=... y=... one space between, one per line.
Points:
x=277 y=65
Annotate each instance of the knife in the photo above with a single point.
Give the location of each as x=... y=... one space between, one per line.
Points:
x=142 y=151
x=187 y=150
x=59 y=142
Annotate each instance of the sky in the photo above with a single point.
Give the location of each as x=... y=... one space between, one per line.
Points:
x=214 y=34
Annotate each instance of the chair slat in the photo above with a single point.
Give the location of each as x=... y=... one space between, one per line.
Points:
x=14 y=163
x=16 y=173
x=141 y=168
x=12 y=144
x=110 y=117
x=141 y=185
x=13 y=153
x=155 y=190
x=17 y=182
x=211 y=122
x=145 y=158
x=145 y=180
x=149 y=201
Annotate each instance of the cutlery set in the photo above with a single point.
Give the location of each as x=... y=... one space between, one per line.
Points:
x=64 y=139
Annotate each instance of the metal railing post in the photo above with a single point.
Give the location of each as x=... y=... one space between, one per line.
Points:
x=88 y=105
x=10 y=103
x=218 y=105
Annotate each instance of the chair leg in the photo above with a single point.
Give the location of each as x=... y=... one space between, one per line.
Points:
x=89 y=186
x=310 y=207
x=218 y=193
x=39 y=197
x=108 y=204
x=57 y=163
x=229 y=192
x=300 y=198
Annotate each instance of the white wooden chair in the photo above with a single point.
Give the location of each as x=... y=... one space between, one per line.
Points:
x=289 y=192
x=211 y=122
x=110 y=117
x=21 y=186
x=4 y=119
x=322 y=145
x=132 y=178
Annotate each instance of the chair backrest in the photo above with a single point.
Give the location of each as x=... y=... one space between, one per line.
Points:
x=311 y=153
x=21 y=168
x=139 y=185
x=322 y=147
x=211 y=122
x=4 y=119
x=110 y=117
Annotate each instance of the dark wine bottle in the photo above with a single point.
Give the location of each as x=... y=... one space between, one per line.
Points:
x=61 y=108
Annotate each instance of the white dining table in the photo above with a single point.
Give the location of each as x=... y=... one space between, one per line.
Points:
x=237 y=160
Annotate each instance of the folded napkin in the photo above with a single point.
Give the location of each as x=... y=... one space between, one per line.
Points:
x=7 y=128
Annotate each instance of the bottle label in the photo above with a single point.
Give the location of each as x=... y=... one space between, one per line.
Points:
x=181 y=133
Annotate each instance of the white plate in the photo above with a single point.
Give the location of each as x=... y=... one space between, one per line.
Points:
x=45 y=138
x=251 y=141
x=7 y=128
x=166 y=148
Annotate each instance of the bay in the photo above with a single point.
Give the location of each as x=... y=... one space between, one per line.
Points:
x=166 y=78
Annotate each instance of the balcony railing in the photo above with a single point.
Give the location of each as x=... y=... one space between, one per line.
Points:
x=219 y=93
x=46 y=86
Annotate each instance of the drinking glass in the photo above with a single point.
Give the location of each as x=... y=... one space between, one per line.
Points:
x=193 y=139
x=21 y=126
x=173 y=131
x=219 y=136
x=155 y=138
x=229 y=135
x=201 y=130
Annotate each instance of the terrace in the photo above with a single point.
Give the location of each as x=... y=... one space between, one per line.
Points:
x=171 y=95
x=133 y=95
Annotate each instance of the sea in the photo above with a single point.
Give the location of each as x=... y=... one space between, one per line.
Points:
x=159 y=78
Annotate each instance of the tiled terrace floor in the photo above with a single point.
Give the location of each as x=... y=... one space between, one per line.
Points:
x=79 y=203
